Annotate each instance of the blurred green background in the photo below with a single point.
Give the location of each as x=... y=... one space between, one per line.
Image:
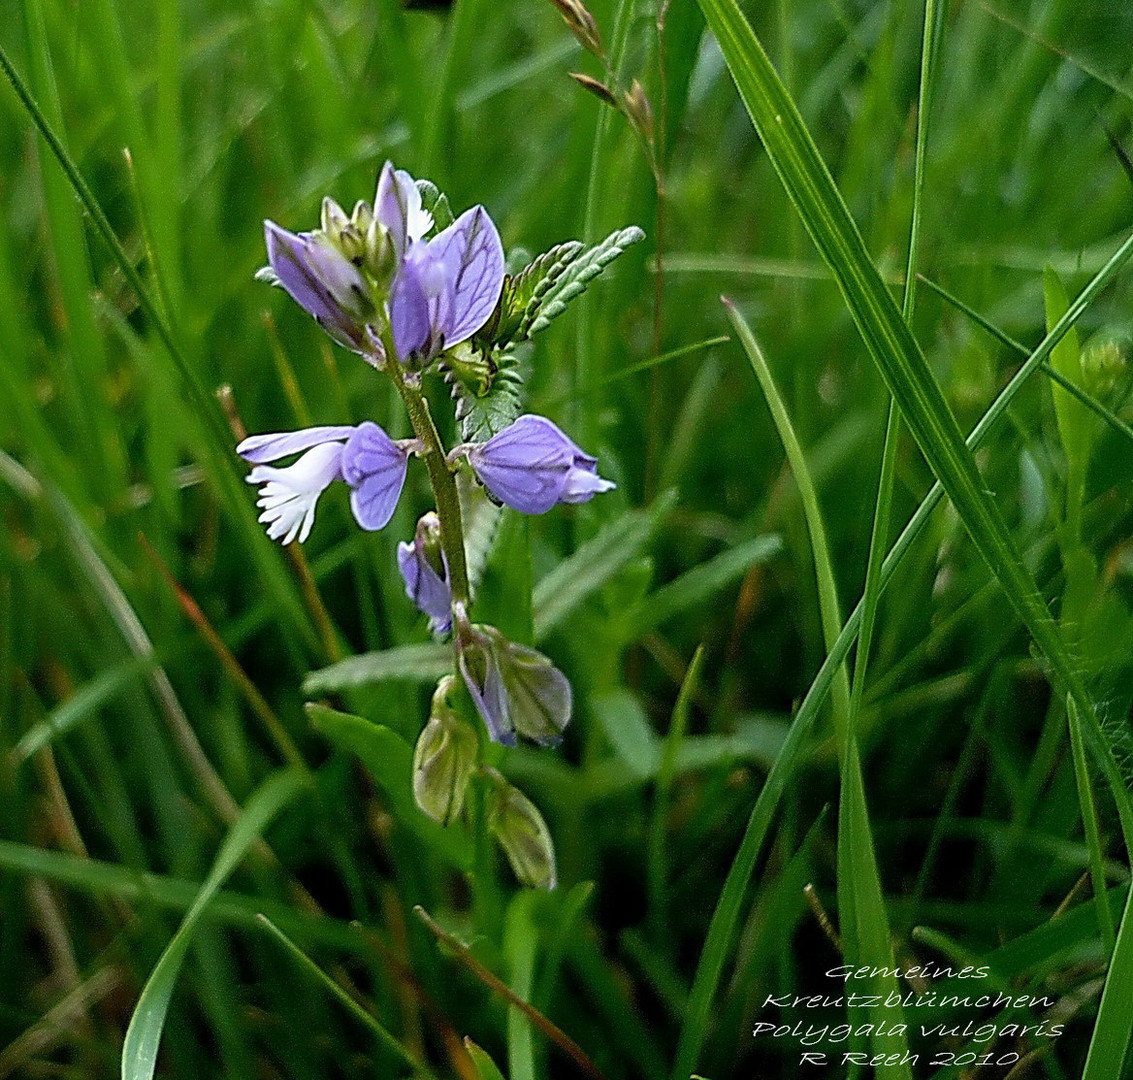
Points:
x=153 y=643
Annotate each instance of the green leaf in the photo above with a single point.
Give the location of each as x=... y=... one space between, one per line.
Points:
x=594 y=564
x=628 y=730
x=85 y=702
x=487 y=400
x=572 y=272
x=529 y=285
x=700 y=583
x=435 y=202
x=376 y=1027
x=422 y=664
x=389 y=760
x=485 y=1066
x=139 y=1051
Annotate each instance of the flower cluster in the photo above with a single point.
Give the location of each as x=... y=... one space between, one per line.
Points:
x=403 y=284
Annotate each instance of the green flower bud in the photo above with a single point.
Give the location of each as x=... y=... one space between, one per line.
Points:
x=444 y=759
x=523 y=834
x=1103 y=364
x=539 y=697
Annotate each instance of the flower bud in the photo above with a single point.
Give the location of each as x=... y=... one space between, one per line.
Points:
x=443 y=759
x=423 y=566
x=1102 y=366
x=516 y=823
x=539 y=697
x=582 y=24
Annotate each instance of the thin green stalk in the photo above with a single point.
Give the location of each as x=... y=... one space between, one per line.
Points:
x=1090 y=824
x=871 y=592
x=655 y=861
x=441 y=476
x=862 y=914
x=368 y=1020
x=583 y=367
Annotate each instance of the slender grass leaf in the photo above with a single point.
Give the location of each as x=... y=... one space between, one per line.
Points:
x=95 y=878
x=139 y=1050
x=623 y=721
x=85 y=702
x=521 y=940
x=389 y=760
x=595 y=563
x=699 y=584
x=368 y=1020
x=423 y=663
x=861 y=908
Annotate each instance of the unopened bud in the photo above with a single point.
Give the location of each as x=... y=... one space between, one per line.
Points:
x=638 y=109
x=599 y=89
x=1102 y=366
x=443 y=759
x=581 y=23
x=516 y=823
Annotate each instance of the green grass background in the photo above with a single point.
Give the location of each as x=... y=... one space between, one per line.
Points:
x=130 y=739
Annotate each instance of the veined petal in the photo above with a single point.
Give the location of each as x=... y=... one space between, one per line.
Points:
x=397 y=206
x=531 y=465
x=321 y=280
x=480 y=670
x=374 y=466
x=473 y=257
x=582 y=484
x=409 y=313
x=261 y=448
x=429 y=592
x=525 y=466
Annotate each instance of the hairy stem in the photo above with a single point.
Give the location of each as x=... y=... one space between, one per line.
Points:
x=441 y=476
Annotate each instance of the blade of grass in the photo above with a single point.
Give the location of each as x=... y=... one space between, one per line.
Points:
x=139 y=1050
x=367 y=1019
x=862 y=915
x=880 y=530
x=1088 y=400
x=726 y=916
x=218 y=452
x=887 y=336
x=1090 y=824
x=655 y=860
x=520 y=942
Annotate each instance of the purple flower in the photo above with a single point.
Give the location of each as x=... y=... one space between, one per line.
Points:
x=364 y=456
x=425 y=570
x=446 y=288
x=532 y=465
x=374 y=467
x=321 y=279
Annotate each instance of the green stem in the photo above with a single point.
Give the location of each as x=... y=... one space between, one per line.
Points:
x=441 y=476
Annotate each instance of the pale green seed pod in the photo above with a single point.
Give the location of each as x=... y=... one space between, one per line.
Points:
x=444 y=759
x=516 y=823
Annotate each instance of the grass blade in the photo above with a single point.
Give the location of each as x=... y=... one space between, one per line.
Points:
x=366 y=1019
x=139 y=1051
